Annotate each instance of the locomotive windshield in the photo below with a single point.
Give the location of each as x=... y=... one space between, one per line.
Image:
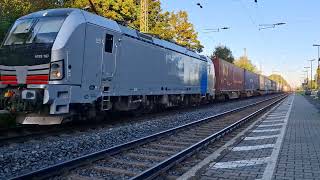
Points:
x=30 y=40
x=38 y=31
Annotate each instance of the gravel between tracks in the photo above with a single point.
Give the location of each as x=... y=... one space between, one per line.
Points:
x=35 y=154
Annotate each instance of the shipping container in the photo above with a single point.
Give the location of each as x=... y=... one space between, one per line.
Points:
x=273 y=85
x=268 y=85
x=279 y=87
x=265 y=85
x=229 y=79
x=262 y=86
x=251 y=81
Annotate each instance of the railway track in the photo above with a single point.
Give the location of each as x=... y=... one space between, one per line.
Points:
x=150 y=156
x=23 y=133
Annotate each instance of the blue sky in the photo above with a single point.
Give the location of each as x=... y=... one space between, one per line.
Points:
x=283 y=50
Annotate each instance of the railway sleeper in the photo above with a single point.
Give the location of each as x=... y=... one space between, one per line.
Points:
x=194 y=136
x=199 y=133
x=81 y=177
x=129 y=163
x=146 y=157
x=166 y=147
x=187 y=140
x=160 y=151
x=176 y=141
x=112 y=170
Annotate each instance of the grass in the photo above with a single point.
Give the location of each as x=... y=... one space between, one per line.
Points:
x=300 y=92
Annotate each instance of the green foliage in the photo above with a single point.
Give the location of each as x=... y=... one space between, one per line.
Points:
x=278 y=78
x=224 y=53
x=308 y=84
x=176 y=27
x=245 y=63
x=162 y=28
x=169 y=26
x=11 y=10
x=183 y=31
x=119 y=10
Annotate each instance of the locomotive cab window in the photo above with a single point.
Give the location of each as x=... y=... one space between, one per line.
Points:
x=108 y=43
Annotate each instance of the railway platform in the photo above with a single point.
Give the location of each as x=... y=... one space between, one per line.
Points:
x=284 y=144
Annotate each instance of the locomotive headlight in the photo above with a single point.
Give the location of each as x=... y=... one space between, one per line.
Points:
x=56 y=70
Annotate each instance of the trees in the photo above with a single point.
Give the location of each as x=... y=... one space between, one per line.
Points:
x=184 y=31
x=245 y=63
x=175 y=27
x=11 y=10
x=278 y=78
x=224 y=53
x=118 y=10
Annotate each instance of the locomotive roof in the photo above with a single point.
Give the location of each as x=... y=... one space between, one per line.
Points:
x=113 y=25
x=159 y=42
x=49 y=13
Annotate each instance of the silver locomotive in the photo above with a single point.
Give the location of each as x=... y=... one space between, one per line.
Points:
x=61 y=64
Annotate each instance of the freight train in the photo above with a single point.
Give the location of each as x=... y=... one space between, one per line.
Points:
x=62 y=64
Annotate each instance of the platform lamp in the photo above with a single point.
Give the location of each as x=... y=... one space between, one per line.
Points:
x=311 y=60
x=306 y=78
x=307 y=74
x=303 y=80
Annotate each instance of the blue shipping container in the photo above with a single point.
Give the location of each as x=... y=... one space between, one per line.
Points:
x=251 y=81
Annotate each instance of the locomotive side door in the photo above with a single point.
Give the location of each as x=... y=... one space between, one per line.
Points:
x=110 y=55
x=92 y=58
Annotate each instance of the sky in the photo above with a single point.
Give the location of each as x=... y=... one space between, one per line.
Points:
x=281 y=50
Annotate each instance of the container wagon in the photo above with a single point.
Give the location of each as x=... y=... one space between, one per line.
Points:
x=263 y=87
x=229 y=79
x=268 y=85
x=273 y=86
x=251 y=83
x=279 y=87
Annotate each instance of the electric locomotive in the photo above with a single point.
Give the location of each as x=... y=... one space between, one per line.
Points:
x=64 y=64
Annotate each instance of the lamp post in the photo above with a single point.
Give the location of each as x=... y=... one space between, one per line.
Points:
x=304 y=76
x=318 y=47
x=311 y=71
x=307 y=75
x=303 y=81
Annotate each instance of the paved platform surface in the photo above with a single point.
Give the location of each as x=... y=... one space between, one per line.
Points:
x=283 y=145
x=300 y=152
